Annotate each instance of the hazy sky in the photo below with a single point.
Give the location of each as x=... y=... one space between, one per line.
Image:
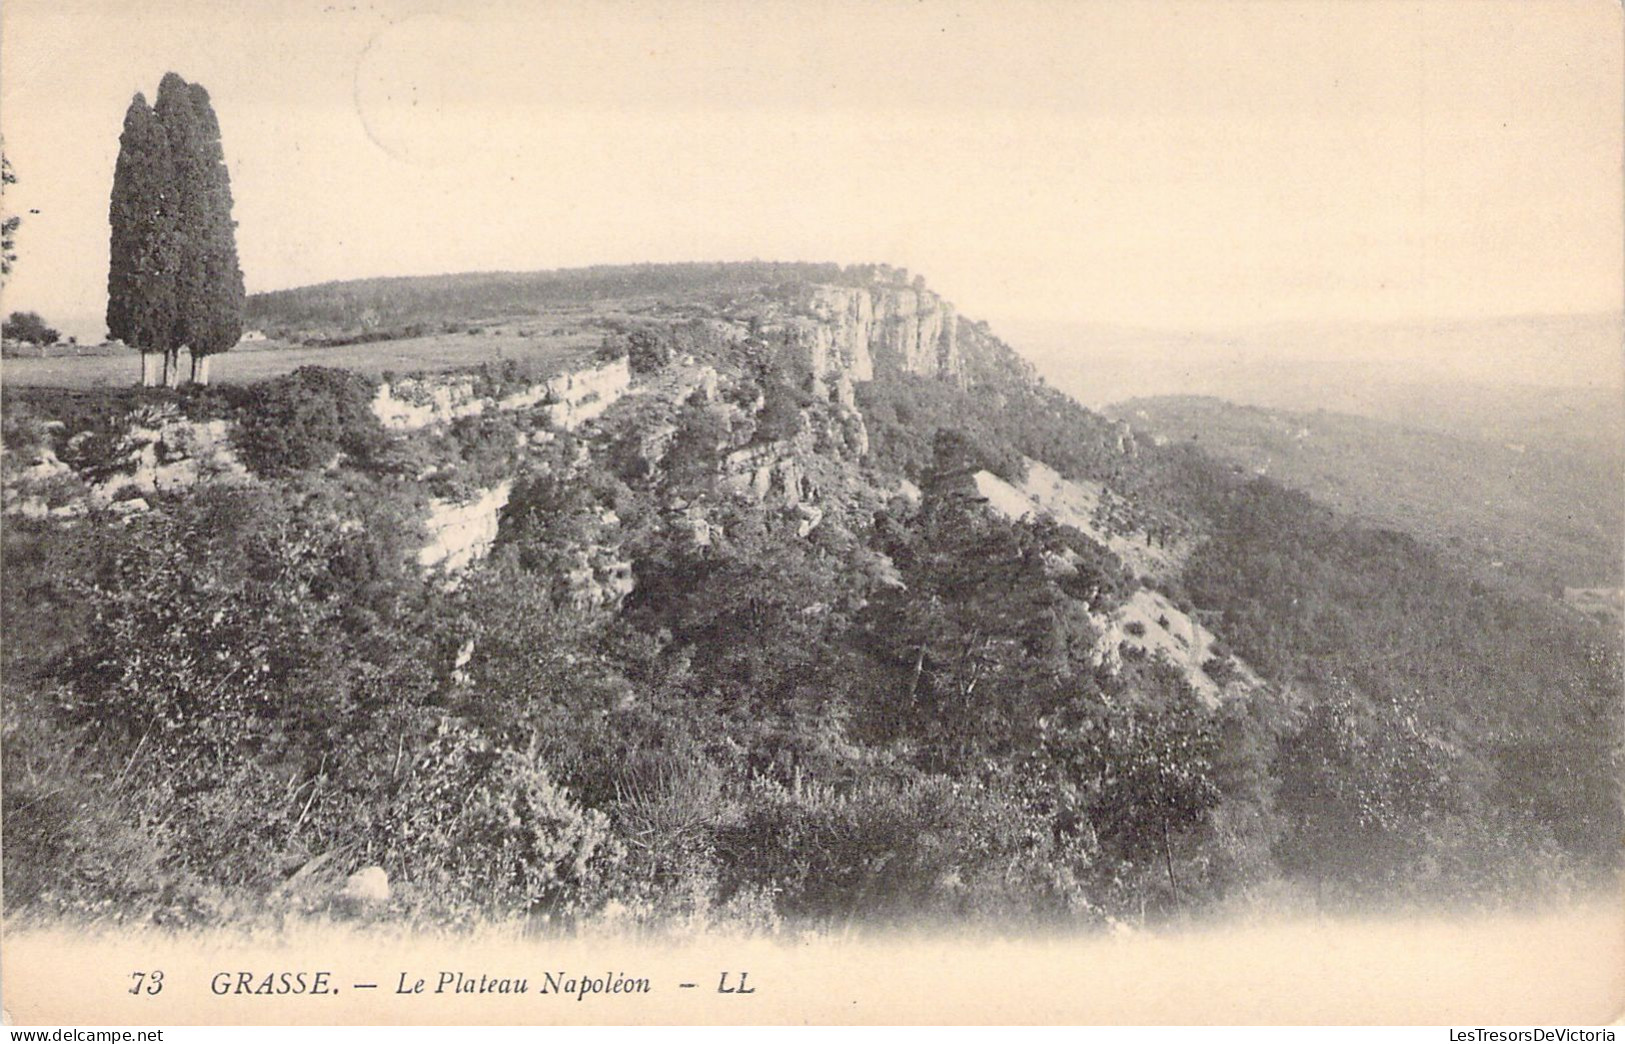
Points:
x=1203 y=164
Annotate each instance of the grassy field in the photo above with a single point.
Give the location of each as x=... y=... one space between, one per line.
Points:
x=256 y=362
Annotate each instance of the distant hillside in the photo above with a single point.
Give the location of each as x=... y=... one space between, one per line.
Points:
x=1547 y=518
x=1558 y=380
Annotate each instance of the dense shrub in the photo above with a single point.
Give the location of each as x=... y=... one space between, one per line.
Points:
x=1431 y=698
x=496 y=379
x=898 y=850
x=781 y=414
x=474 y=454
x=646 y=351
x=481 y=825
x=302 y=421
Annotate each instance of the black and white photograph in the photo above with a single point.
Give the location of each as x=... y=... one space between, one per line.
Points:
x=812 y=512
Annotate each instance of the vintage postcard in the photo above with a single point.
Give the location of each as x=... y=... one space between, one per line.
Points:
x=940 y=512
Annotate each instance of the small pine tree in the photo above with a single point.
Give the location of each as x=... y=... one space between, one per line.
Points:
x=144 y=253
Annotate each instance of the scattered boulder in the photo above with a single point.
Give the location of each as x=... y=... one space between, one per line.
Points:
x=370 y=884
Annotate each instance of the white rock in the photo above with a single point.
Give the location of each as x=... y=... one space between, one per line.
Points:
x=368 y=885
x=571 y=398
x=462 y=531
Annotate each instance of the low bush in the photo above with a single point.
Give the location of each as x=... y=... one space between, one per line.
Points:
x=302 y=421
x=486 y=826
x=899 y=850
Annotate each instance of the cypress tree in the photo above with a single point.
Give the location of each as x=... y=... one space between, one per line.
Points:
x=174 y=280
x=220 y=325
x=209 y=284
x=178 y=119
x=144 y=254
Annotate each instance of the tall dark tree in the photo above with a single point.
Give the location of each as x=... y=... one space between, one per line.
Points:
x=144 y=254
x=174 y=281
x=209 y=285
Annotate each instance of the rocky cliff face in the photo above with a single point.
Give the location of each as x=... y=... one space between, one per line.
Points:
x=825 y=338
x=572 y=398
x=851 y=333
x=462 y=532
x=834 y=337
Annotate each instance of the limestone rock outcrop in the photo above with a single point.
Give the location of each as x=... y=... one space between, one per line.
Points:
x=1084 y=506
x=1151 y=623
x=461 y=532
x=571 y=398
x=578 y=396
x=859 y=331
x=839 y=336
x=167 y=453
x=158 y=451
